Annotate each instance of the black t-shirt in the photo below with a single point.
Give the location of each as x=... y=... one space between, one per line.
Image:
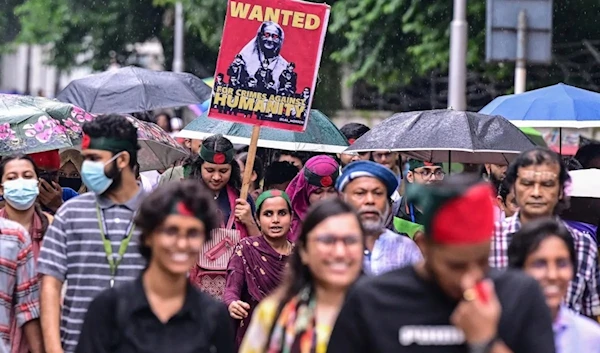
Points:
x=121 y=320
x=401 y=312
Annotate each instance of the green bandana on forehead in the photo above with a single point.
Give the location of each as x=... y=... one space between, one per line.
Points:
x=107 y=144
x=414 y=164
x=217 y=157
x=270 y=194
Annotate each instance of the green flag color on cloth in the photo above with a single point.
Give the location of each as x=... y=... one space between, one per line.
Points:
x=407 y=227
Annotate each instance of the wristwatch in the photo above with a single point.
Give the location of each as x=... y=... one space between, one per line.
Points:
x=485 y=347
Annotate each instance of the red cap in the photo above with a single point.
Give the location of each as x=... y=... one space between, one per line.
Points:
x=468 y=219
x=49 y=160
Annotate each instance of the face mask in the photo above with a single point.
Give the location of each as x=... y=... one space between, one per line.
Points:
x=93 y=176
x=72 y=183
x=21 y=193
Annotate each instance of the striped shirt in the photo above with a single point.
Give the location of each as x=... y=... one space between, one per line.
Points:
x=19 y=287
x=73 y=250
x=391 y=251
x=584 y=292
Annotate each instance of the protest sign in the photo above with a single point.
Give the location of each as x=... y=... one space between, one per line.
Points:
x=268 y=62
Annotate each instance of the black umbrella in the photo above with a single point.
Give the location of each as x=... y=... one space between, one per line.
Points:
x=133 y=89
x=447 y=136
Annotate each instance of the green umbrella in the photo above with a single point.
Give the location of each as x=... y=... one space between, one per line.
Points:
x=321 y=134
x=35 y=124
x=535 y=136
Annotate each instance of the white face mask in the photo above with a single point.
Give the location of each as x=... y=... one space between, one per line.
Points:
x=21 y=193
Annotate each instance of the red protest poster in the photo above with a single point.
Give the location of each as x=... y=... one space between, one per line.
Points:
x=268 y=62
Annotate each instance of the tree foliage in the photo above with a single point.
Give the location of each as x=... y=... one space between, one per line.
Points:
x=393 y=41
x=87 y=32
x=388 y=43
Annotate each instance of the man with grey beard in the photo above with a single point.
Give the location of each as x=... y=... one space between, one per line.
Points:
x=368 y=187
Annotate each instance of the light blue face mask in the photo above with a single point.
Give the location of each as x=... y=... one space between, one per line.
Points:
x=21 y=193
x=93 y=176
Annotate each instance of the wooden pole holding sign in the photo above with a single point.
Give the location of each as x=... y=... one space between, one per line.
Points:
x=246 y=181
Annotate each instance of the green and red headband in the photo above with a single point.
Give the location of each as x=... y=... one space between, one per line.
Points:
x=180 y=208
x=415 y=163
x=107 y=144
x=321 y=180
x=270 y=194
x=217 y=157
x=454 y=217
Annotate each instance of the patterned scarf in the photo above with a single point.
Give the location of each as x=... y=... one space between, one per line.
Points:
x=294 y=330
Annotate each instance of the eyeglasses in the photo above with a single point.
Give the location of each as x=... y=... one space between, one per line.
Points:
x=329 y=241
x=174 y=233
x=427 y=173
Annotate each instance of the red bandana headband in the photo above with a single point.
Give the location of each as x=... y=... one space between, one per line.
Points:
x=180 y=208
x=467 y=219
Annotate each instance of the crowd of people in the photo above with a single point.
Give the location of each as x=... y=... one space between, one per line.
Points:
x=370 y=252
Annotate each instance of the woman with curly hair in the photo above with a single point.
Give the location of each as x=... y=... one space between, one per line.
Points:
x=161 y=311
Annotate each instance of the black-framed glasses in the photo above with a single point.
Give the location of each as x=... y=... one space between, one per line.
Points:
x=427 y=173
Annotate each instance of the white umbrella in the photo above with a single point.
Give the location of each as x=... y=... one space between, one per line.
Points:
x=585 y=183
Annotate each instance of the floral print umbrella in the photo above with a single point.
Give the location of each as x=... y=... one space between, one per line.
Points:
x=35 y=124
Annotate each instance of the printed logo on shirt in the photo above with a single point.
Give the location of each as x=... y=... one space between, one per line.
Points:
x=431 y=336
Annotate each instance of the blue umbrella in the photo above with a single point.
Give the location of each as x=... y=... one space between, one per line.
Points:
x=560 y=106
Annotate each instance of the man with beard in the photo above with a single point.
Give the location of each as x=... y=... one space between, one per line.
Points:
x=92 y=241
x=265 y=46
x=289 y=76
x=538 y=178
x=408 y=217
x=496 y=174
x=451 y=302
x=368 y=187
